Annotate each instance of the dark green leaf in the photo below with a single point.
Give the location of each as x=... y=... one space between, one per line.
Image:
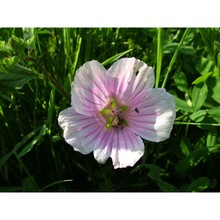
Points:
x=170 y=48
x=29 y=37
x=184 y=145
x=181 y=81
x=16 y=77
x=204 y=66
x=217 y=45
x=198 y=116
x=212 y=136
x=154 y=173
x=189 y=50
x=216 y=91
x=198 y=185
x=167 y=187
x=29 y=185
x=199 y=95
x=17 y=44
x=182 y=105
x=214 y=113
x=191 y=160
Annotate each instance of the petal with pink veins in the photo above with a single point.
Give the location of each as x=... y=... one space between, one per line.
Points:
x=89 y=94
x=131 y=75
x=80 y=131
x=152 y=116
x=127 y=148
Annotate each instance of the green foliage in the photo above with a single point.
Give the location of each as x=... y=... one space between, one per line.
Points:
x=37 y=67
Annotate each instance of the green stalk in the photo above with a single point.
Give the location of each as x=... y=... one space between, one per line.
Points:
x=159 y=55
x=175 y=56
x=196 y=123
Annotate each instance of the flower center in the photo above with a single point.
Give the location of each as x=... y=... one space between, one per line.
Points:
x=113 y=115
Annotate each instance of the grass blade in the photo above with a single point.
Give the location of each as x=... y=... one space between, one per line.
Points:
x=115 y=57
x=159 y=55
x=174 y=57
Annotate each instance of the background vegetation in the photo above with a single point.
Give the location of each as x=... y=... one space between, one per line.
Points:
x=37 y=67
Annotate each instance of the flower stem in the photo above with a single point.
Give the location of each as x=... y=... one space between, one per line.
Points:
x=48 y=76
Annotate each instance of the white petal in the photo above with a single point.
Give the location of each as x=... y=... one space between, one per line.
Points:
x=80 y=131
x=152 y=116
x=127 y=148
x=89 y=94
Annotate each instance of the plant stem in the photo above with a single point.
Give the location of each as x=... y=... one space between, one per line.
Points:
x=49 y=77
x=196 y=123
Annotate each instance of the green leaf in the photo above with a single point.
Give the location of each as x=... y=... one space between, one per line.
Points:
x=218 y=61
x=29 y=185
x=2 y=44
x=182 y=105
x=154 y=173
x=198 y=185
x=204 y=66
x=199 y=94
x=170 y=48
x=203 y=78
x=115 y=57
x=167 y=187
x=184 y=145
x=17 y=44
x=217 y=45
x=198 y=116
x=211 y=139
x=16 y=77
x=214 y=113
x=216 y=91
x=191 y=160
x=181 y=81
x=29 y=37
x=189 y=50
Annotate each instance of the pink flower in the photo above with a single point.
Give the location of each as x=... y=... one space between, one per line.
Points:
x=113 y=109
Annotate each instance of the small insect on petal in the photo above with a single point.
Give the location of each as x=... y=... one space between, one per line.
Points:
x=137 y=110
